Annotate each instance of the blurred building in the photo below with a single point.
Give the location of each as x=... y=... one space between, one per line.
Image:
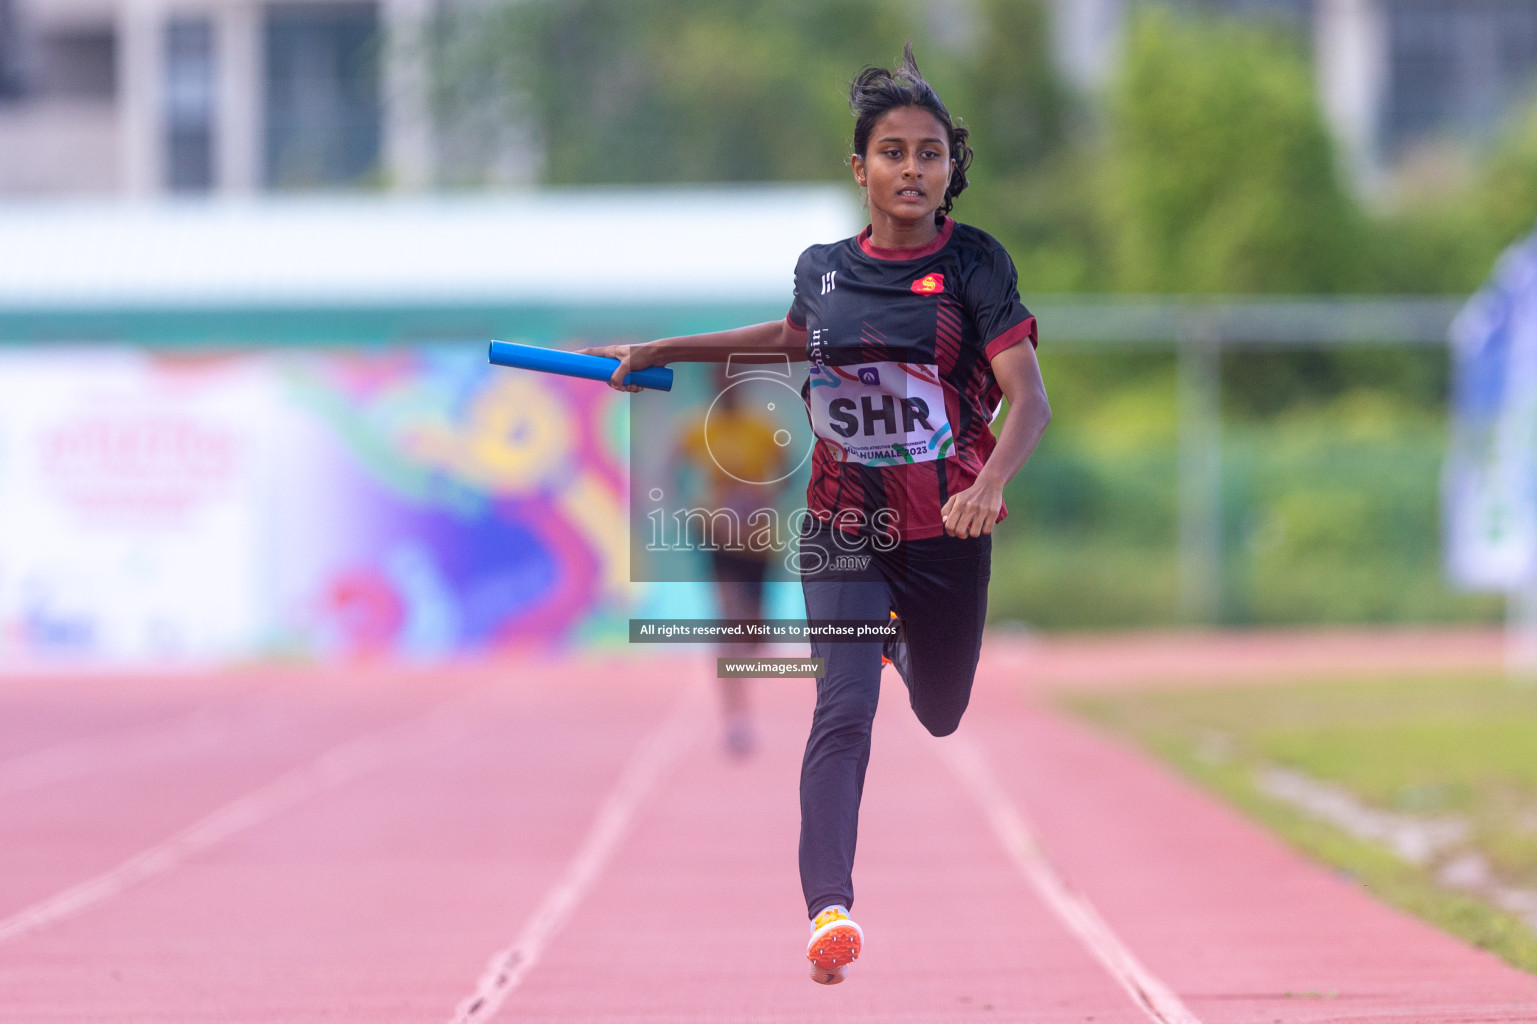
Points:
x=1393 y=74
x=144 y=97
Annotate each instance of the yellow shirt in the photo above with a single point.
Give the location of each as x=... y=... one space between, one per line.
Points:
x=740 y=460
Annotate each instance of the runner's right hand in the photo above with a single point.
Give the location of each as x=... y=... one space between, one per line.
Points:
x=631 y=358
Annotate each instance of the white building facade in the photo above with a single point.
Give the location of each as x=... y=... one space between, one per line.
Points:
x=149 y=97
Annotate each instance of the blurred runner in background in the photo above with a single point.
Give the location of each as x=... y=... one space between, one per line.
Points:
x=736 y=462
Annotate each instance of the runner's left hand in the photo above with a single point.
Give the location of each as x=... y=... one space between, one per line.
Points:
x=974 y=511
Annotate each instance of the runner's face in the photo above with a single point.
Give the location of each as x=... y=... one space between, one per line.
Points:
x=906 y=166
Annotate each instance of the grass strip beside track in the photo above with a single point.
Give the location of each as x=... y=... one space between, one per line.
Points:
x=1436 y=748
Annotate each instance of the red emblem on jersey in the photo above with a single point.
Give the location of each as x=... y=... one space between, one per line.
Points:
x=929 y=284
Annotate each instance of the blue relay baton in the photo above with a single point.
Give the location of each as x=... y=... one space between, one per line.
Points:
x=575 y=364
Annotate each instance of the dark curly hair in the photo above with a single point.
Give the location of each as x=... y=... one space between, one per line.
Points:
x=877 y=90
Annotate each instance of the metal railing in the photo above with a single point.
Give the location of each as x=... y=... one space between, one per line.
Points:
x=1198 y=329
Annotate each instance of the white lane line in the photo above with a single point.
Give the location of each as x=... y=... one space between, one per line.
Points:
x=74 y=758
x=336 y=766
x=1074 y=910
x=646 y=767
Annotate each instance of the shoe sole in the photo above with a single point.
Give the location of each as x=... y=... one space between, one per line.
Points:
x=832 y=948
x=821 y=977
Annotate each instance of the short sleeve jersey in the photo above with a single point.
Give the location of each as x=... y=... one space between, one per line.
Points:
x=900 y=391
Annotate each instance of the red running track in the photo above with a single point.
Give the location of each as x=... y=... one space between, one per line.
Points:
x=566 y=841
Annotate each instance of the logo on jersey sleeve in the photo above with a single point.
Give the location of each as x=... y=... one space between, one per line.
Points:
x=929 y=284
x=881 y=414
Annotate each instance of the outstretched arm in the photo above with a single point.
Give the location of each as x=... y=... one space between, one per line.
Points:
x=974 y=511
x=760 y=343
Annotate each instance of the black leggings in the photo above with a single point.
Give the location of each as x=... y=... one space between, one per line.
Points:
x=938 y=587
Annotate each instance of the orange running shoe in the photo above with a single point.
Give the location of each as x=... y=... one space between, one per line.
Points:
x=835 y=943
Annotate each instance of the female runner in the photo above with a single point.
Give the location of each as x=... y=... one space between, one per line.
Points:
x=914 y=330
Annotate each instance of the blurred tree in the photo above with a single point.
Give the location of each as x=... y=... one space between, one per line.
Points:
x=1007 y=90
x=1222 y=175
x=628 y=91
x=1508 y=190
x=1033 y=179
x=1428 y=247
x=1446 y=239
x=620 y=91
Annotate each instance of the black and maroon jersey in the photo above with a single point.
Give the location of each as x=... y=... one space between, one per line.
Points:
x=901 y=391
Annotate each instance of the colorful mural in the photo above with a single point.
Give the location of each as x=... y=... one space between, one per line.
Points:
x=464 y=506
x=411 y=502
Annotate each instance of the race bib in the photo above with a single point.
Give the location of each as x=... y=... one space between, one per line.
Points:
x=880 y=414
